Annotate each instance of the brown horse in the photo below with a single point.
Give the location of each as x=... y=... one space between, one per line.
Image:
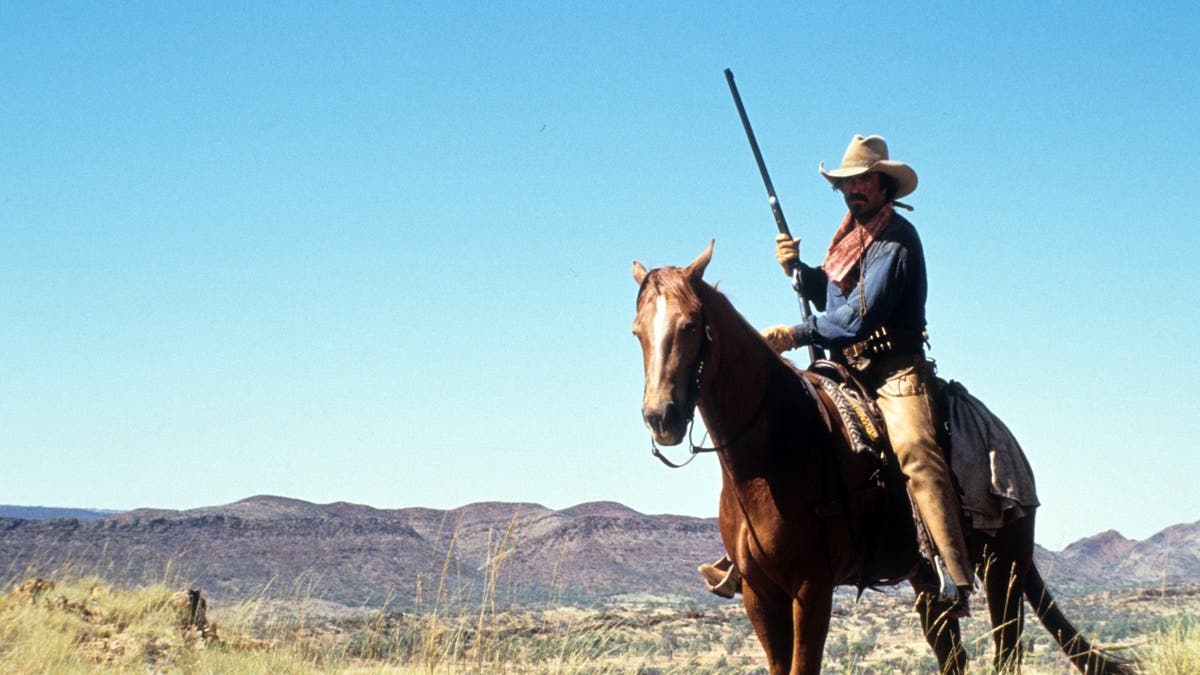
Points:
x=799 y=511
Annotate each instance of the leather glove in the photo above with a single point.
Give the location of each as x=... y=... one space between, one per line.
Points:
x=780 y=338
x=787 y=252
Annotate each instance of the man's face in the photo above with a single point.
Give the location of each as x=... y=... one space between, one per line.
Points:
x=864 y=195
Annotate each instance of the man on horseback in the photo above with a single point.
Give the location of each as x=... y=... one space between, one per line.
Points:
x=871 y=289
x=801 y=509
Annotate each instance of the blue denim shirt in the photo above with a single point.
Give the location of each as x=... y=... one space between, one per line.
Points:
x=893 y=287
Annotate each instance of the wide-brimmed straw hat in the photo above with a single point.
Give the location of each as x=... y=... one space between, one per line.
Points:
x=868 y=154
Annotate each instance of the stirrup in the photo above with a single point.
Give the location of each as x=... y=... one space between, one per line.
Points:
x=947 y=591
x=722 y=578
x=957 y=598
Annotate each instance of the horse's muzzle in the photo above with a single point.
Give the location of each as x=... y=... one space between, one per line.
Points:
x=667 y=422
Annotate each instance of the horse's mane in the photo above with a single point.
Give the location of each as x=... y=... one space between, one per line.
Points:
x=719 y=307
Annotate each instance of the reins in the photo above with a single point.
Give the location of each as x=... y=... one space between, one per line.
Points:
x=694 y=449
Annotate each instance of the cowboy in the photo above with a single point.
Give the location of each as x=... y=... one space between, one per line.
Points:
x=871 y=289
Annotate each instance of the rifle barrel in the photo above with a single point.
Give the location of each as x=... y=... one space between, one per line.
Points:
x=776 y=209
x=814 y=352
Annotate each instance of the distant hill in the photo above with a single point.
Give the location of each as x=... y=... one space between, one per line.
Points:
x=48 y=512
x=517 y=553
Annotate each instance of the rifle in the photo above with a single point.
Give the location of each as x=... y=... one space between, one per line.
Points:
x=814 y=352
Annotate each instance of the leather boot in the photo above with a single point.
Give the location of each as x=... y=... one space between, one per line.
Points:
x=907 y=407
x=722 y=578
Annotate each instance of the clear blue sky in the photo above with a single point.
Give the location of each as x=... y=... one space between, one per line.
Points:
x=379 y=252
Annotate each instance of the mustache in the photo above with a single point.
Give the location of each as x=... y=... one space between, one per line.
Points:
x=856 y=197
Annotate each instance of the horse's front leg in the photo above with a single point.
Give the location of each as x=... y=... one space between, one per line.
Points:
x=770 y=612
x=811 y=609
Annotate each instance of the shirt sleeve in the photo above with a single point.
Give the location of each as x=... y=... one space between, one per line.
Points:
x=816 y=284
x=881 y=290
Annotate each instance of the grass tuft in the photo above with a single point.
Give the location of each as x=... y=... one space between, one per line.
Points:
x=1174 y=649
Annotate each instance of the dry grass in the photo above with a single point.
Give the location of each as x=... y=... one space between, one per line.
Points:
x=78 y=625
x=1175 y=649
x=82 y=624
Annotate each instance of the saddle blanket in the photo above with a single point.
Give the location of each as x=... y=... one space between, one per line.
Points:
x=995 y=479
x=993 y=474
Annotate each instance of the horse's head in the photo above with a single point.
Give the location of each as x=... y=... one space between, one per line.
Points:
x=670 y=326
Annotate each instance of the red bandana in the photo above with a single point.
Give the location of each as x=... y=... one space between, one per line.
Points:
x=848 y=245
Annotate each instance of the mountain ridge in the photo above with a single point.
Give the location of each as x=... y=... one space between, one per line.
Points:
x=357 y=555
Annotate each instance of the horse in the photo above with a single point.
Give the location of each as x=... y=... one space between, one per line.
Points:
x=797 y=512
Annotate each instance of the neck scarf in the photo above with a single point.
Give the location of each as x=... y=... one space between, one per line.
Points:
x=848 y=245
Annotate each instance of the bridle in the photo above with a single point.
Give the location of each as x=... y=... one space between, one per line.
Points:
x=693 y=399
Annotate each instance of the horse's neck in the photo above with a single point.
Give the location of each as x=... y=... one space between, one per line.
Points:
x=748 y=383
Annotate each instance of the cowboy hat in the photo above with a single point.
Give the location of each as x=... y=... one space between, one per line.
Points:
x=864 y=155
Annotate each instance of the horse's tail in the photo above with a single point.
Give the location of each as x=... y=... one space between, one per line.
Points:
x=1086 y=658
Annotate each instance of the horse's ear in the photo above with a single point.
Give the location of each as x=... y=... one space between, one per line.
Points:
x=639 y=272
x=696 y=269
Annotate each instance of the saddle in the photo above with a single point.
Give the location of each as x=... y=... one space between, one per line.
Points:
x=862 y=420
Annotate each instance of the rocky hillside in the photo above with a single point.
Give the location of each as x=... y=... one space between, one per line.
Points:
x=358 y=555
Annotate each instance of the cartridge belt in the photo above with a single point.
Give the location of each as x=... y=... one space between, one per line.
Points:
x=886 y=341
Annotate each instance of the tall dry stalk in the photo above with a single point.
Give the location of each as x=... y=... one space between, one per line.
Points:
x=431 y=659
x=494 y=564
